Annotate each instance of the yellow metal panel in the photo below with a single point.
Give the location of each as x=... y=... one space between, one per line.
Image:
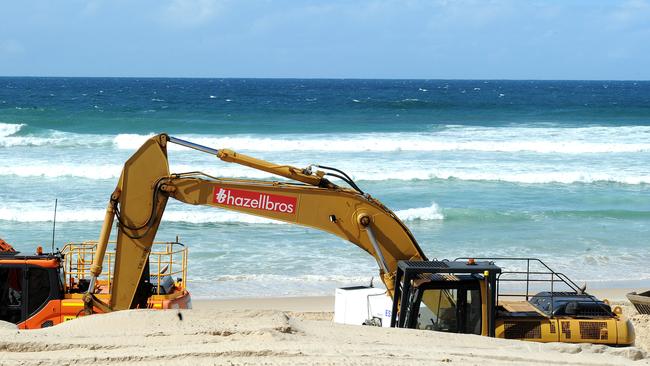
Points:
x=137 y=187
x=484 y=309
x=536 y=329
x=146 y=183
x=334 y=211
x=625 y=332
x=71 y=304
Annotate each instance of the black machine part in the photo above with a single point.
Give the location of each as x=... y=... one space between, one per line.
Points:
x=570 y=304
x=410 y=271
x=166 y=285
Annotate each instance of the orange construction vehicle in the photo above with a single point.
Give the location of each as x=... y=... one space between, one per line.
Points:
x=44 y=289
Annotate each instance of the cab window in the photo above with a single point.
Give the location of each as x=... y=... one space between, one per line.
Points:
x=11 y=294
x=450 y=310
x=39 y=289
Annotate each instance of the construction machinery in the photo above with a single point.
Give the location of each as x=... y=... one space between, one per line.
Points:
x=39 y=290
x=461 y=296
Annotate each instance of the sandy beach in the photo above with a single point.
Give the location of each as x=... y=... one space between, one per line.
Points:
x=286 y=331
x=249 y=161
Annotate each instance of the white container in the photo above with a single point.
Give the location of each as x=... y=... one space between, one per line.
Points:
x=358 y=304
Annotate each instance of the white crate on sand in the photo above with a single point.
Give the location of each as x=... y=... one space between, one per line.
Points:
x=359 y=304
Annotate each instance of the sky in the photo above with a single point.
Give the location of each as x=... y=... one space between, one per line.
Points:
x=420 y=39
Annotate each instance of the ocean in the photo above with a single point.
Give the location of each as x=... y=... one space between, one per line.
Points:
x=557 y=170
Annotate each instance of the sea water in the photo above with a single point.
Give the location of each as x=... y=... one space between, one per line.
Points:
x=558 y=170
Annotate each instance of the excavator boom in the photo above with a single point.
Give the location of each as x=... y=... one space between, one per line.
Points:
x=460 y=297
x=307 y=198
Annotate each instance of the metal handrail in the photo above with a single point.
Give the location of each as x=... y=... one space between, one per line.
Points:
x=79 y=257
x=554 y=277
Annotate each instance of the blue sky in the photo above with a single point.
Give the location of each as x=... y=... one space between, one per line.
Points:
x=463 y=39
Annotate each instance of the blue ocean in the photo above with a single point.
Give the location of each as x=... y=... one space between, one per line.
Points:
x=558 y=170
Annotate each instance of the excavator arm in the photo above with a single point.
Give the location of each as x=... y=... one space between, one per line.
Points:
x=307 y=198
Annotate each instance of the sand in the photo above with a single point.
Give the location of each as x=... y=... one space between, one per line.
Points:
x=285 y=331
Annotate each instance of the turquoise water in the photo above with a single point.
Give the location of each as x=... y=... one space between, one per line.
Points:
x=550 y=169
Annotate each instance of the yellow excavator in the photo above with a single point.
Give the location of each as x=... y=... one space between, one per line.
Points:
x=465 y=295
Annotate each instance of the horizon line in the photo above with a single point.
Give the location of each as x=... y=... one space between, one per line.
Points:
x=304 y=78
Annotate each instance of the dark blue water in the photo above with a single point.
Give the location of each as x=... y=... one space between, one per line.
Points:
x=551 y=169
x=226 y=106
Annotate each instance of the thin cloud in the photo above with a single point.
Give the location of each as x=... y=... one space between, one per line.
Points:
x=631 y=15
x=10 y=47
x=190 y=13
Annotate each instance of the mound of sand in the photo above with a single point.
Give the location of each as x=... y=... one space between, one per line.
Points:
x=207 y=336
x=641 y=324
x=7 y=325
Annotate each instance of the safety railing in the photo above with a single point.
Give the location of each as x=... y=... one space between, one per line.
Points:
x=166 y=259
x=537 y=277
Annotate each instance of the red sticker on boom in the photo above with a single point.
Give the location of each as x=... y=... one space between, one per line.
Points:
x=255 y=200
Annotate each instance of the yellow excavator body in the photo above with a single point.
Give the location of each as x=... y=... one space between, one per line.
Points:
x=307 y=198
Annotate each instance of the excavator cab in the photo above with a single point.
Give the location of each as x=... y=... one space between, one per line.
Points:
x=27 y=284
x=478 y=297
x=445 y=296
x=454 y=306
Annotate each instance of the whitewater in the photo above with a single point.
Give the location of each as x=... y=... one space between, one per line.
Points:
x=592 y=144
x=553 y=170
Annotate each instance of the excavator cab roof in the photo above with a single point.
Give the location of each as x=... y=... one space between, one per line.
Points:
x=450 y=267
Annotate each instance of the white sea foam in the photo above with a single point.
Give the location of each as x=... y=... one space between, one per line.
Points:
x=584 y=140
x=207 y=215
x=485 y=139
x=377 y=172
x=97 y=215
x=50 y=138
x=538 y=177
x=45 y=215
x=88 y=171
x=8 y=129
x=626 y=149
x=60 y=141
x=299 y=278
x=421 y=213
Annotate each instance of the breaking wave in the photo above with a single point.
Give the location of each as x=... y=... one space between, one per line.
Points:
x=95 y=171
x=8 y=129
x=97 y=215
x=281 y=278
x=17 y=135
x=193 y=217
x=418 y=214
x=566 y=175
x=509 y=154
x=586 y=140
x=421 y=213
x=556 y=140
